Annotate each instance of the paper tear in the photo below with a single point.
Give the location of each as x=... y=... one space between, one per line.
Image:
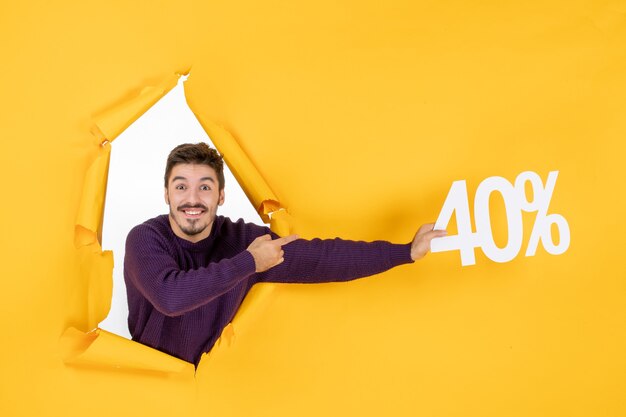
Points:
x=104 y=349
x=228 y=334
x=99 y=348
x=96 y=269
x=95 y=266
x=281 y=222
x=253 y=184
x=109 y=124
x=252 y=307
x=88 y=229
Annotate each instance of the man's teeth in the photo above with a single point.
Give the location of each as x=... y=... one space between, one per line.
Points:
x=192 y=212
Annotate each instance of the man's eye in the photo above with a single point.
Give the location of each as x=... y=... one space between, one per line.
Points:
x=180 y=187
x=205 y=188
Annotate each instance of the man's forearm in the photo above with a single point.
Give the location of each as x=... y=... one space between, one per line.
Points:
x=317 y=260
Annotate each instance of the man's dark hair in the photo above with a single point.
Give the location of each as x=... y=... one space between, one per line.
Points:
x=196 y=153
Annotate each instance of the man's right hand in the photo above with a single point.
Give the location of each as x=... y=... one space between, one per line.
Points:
x=268 y=253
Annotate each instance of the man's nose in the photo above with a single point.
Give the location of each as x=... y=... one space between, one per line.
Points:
x=193 y=196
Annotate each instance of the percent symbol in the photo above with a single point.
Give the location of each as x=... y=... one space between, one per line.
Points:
x=542 y=229
x=516 y=201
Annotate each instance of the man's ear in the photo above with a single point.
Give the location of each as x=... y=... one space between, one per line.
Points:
x=167 y=200
x=222 y=195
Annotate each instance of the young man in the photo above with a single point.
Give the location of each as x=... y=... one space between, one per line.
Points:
x=187 y=272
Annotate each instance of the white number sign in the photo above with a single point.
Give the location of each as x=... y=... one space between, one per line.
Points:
x=515 y=201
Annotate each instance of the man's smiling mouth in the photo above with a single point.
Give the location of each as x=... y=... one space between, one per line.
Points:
x=192 y=212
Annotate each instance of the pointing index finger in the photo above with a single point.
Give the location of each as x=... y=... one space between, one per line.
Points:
x=287 y=239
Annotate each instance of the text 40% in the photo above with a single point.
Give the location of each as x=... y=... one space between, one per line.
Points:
x=515 y=201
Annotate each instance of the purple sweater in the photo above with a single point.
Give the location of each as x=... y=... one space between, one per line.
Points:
x=181 y=294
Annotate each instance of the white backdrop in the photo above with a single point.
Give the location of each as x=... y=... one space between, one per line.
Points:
x=135 y=185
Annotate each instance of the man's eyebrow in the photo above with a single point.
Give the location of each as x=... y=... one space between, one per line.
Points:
x=178 y=177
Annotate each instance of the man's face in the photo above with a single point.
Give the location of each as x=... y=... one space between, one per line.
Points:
x=193 y=196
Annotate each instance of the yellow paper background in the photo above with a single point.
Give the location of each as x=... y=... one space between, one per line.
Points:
x=358 y=116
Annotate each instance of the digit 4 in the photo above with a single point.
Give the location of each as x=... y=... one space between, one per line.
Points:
x=465 y=240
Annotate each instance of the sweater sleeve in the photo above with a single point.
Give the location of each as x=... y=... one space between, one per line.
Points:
x=150 y=267
x=332 y=260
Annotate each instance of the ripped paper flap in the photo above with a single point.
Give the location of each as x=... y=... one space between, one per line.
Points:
x=109 y=124
x=88 y=228
x=281 y=222
x=256 y=188
x=100 y=348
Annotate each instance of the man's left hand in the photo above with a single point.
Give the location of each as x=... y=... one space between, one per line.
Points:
x=421 y=242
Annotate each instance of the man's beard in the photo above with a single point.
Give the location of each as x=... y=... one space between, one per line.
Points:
x=190 y=227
